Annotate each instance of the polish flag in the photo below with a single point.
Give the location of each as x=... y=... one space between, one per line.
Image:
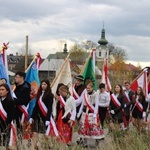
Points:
x=141 y=80
x=105 y=78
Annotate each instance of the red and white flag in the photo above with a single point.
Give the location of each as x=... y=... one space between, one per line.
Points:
x=142 y=81
x=105 y=78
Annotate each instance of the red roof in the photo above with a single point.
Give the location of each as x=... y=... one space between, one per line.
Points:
x=126 y=66
x=131 y=67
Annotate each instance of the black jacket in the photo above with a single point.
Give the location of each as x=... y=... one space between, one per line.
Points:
x=127 y=108
x=136 y=113
x=9 y=107
x=22 y=93
x=37 y=113
x=118 y=113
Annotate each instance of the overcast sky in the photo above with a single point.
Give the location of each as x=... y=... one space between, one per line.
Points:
x=50 y=23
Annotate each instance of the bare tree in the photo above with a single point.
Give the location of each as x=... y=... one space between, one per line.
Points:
x=22 y=51
x=118 y=53
x=77 y=54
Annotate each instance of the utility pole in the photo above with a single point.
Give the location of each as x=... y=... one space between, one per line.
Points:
x=26 y=54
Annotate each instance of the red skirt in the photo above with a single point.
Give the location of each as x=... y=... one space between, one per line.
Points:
x=64 y=129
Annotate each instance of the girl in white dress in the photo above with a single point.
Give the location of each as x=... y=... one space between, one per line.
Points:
x=89 y=124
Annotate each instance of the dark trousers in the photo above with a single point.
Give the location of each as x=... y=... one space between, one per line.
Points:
x=102 y=114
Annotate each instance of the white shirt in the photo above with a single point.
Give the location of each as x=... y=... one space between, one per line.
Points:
x=127 y=91
x=104 y=99
x=80 y=99
x=93 y=99
x=70 y=107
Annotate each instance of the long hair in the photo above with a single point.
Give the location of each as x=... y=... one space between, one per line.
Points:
x=141 y=94
x=8 y=96
x=47 y=91
x=121 y=93
x=57 y=90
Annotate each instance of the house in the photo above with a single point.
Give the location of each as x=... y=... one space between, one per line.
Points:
x=120 y=71
x=17 y=62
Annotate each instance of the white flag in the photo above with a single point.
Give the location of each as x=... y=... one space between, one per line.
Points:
x=63 y=76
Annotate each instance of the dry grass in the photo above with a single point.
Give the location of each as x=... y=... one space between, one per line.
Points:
x=125 y=140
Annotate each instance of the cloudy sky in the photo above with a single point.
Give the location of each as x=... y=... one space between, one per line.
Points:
x=51 y=23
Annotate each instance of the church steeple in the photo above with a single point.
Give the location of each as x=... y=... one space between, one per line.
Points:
x=103 y=41
x=65 y=48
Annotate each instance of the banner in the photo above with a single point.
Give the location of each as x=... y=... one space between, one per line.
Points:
x=63 y=76
x=105 y=78
x=142 y=81
x=3 y=73
x=88 y=70
x=32 y=77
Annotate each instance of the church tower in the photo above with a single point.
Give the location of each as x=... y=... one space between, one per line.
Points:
x=101 y=50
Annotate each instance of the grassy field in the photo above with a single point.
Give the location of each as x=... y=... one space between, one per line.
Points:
x=124 y=140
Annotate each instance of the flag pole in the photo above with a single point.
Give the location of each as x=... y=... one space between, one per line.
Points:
x=26 y=70
x=31 y=63
x=102 y=71
x=60 y=70
x=86 y=62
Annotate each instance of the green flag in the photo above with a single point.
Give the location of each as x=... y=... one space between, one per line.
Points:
x=88 y=71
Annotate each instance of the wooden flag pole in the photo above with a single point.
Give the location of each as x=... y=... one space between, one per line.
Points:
x=25 y=71
x=35 y=57
x=31 y=64
x=60 y=70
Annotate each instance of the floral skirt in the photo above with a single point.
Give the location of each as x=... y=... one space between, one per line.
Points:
x=89 y=127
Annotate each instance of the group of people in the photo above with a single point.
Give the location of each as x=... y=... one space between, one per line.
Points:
x=127 y=107
x=55 y=114
x=13 y=109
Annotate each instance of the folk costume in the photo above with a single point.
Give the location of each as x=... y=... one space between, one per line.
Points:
x=65 y=111
x=89 y=126
x=78 y=92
